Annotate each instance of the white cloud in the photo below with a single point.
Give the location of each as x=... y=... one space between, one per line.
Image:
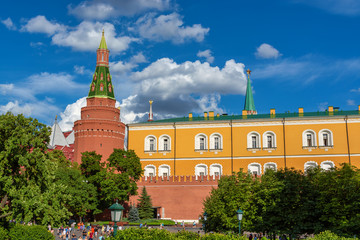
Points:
x=267 y=51
x=37 y=109
x=124 y=68
x=40 y=24
x=71 y=114
x=86 y=37
x=106 y=9
x=9 y=24
x=36 y=44
x=206 y=54
x=165 y=78
x=341 y=7
x=168 y=28
x=350 y=102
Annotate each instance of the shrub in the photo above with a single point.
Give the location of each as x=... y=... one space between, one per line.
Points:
x=21 y=232
x=327 y=235
x=187 y=235
x=141 y=233
x=3 y=234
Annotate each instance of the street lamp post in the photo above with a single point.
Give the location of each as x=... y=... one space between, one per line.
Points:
x=116 y=212
x=205 y=219
x=239 y=214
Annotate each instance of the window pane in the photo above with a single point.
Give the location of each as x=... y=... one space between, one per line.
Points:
x=152 y=143
x=217 y=143
x=202 y=143
x=269 y=142
x=254 y=142
x=165 y=144
x=309 y=140
x=326 y=139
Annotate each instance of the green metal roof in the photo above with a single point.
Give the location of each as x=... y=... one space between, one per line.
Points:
x=278 y=116
x=249 y=100
x=101 y=85
x=103 y=42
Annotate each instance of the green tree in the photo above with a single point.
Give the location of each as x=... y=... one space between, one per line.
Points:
x=27 y=174
x=133 y=214
x=145 y=205
x=83 y=195
x=233 y=193
x=339 y=191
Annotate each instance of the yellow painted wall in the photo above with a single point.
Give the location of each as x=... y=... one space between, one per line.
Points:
x=296 y=156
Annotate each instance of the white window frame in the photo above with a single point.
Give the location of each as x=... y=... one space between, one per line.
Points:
x=266 y=166
x=197 y=142
x=212 y=141
x=265 y=140
x=147 y=143
x=249 y=140
x=215 y=166
x=321 y=138
x=309 y=164
x=254 y=164
x=163 y=166
x=304 y=137
x=146 y=172
x=325 y=163
x=161 y=142
x=198 y=166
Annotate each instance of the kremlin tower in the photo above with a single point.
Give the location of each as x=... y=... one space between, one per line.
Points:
x=100 y=128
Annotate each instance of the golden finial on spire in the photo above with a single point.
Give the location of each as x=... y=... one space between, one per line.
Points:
x=103 y=32
x=248 y=72
x=55 y=117
x=151 y=101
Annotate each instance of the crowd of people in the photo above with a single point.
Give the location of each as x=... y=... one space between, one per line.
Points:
x=89 y=232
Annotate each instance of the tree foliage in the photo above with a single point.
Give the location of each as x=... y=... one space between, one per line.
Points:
x=288 y=201
x=133 y=214
x=27 y=174
x=145 y=205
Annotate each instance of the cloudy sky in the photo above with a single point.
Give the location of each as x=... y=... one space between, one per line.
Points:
x=187 y=56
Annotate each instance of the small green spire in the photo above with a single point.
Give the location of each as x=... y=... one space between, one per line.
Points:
x=249 y=100
x=103 y=42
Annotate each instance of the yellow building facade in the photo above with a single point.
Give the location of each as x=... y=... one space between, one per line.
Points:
x=219 y=145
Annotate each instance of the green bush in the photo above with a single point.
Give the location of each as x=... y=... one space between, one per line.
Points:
x=141 y=233
x=327 y=235
x=3 y=234
x=186 y=235
x=21 y=232
x=219 y=236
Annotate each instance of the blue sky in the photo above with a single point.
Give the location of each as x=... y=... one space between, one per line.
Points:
x=188 y=56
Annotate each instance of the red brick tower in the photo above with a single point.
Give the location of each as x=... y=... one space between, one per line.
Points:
x=100 y=128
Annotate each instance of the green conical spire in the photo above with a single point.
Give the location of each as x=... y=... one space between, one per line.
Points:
x=249 y=100
x=101 y=85
x=103 y=42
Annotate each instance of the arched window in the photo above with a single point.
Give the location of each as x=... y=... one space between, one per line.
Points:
x=201 y=170
x=216 y=142
x=310 y=164
x=164 y=143
x=101 y=87
x=215 y=169
x=327 y=165
x=269 y=140
x=325 y=138
x=150 y=144
x=164 y=170
x=309 y=138
x=254 y=168
x=201 y=142
x=270 y=165
x=150 y=171
x=253 y=140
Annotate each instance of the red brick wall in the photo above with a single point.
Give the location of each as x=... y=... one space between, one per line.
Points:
x=181 y=197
